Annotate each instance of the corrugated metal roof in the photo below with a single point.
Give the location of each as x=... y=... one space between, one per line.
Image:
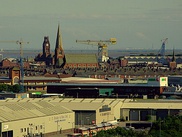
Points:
x=82 y=106
x=17 y=109
x=153 y=104
x=10 y=111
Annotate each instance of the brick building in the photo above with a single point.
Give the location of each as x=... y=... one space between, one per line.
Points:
x=172 y=63
x=46 y=56
x=38 y=83
x=62 y=60
x=11 y=62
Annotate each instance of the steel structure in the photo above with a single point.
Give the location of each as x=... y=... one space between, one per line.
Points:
x=162 y=49
x=20 y=42
x=161 y=52
x=102 y=47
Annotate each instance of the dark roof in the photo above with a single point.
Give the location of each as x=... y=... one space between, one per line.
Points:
x=81 y=58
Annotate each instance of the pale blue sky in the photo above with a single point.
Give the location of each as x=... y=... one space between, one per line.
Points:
x=135 y=23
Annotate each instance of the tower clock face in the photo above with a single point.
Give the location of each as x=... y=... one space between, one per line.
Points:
x=16 y=80
x=47 y=47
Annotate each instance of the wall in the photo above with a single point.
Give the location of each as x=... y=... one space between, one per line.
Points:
x=116 y=110
x=104 y=114
x=46 y=125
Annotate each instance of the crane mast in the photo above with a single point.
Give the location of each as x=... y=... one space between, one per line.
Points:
x=161 y=52
x=21 y=43
x=102 y=47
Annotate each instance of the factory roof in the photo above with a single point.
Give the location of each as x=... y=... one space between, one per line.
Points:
x=152 y=104
x=14 y=109
x=17 y=109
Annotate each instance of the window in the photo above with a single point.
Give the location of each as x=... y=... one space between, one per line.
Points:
x=40 y=126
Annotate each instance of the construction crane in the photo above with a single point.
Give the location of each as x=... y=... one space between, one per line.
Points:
x=102 y=47
x=21 y=43
x=162 y=49
x=161 y=52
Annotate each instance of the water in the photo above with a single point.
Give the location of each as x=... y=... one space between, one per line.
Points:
x=112 y=53
x=16 y=53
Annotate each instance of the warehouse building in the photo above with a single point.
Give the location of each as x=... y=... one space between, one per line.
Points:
x=33 y=118
x=84 y=89
x=49 y=116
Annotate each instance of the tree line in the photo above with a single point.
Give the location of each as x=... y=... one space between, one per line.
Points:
x=10 y=88
x=171 y=126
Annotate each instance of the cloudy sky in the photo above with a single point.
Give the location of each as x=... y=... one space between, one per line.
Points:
x=137 y=24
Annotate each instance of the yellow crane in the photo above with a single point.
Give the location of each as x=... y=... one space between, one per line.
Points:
x=102 y=47
x=21 y=43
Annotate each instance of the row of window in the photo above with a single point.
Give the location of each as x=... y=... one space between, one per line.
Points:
x=31 y=128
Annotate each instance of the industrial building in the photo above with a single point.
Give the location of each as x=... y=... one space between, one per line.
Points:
x=153 y=87
x=33 y=118
x=175 y=80
x=48 y=116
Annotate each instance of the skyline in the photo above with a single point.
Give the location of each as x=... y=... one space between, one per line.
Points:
x=140 y=24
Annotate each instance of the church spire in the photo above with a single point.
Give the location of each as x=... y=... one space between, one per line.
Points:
x=59 y=52
x=173 y=58
x=59 y=39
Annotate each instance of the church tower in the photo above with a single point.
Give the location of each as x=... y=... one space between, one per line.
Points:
x=59 y=52
x=46 y=47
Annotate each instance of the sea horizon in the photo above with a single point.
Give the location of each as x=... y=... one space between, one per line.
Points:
x=112 y=53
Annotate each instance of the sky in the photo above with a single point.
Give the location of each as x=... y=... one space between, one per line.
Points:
x=136 y=24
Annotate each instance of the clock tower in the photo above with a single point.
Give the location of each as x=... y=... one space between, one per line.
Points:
x=46 y=47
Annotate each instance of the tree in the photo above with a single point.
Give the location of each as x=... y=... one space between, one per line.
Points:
x=16 y=88
x=121 y=132
x=3 y=87
x=169 y=127
x=10 y=88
